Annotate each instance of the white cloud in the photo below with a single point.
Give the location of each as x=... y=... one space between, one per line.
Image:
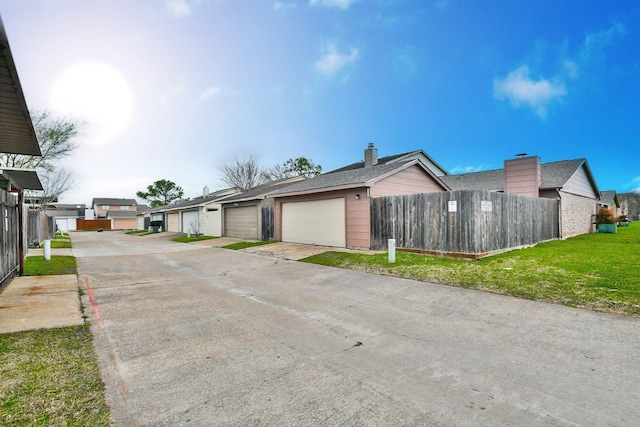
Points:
x=520 y=89
x=595 y=43
x=282 y=6
x=333 y=61
x=341 y=4
x=209 y=92
x=179 y=8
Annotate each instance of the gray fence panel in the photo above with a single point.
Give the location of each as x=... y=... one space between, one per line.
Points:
x=464 y=221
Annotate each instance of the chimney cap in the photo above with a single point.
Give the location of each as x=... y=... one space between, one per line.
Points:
x=370 y=145
x=520 y=155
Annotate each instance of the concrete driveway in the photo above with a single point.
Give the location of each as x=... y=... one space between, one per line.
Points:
x=196 y=335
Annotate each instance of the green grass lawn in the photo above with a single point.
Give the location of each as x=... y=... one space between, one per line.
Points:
x=37 y=266
x=57 y=244
x=193 y=238
x=50 y=377
x=593 y=271
x=244 y=245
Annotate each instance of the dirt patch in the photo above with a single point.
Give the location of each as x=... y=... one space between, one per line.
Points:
x=34 y=290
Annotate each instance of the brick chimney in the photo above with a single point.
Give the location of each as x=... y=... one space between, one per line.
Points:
x=523 y=175
x=370 y=156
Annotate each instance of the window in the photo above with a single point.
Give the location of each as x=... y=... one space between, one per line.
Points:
x=124 y=208
x=106 y=207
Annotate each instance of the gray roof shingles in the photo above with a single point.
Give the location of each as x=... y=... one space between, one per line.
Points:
x=346 y=178
x=554 y=175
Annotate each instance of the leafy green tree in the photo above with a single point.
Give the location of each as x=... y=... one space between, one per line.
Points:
x=300 y=166
x=162 y=192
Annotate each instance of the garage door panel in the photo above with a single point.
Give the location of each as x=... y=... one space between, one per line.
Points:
x=319 y=222
x=241 y=222
x=173 y=222
x=190 y=222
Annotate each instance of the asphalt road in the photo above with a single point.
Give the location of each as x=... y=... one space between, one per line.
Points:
x=195 y=335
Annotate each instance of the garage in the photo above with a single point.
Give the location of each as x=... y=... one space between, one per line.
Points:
x=190 y=222
x=173 y=222
x=319 y=222
x=241 y=222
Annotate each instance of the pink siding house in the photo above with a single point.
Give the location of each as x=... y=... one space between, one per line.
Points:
x=334 y=209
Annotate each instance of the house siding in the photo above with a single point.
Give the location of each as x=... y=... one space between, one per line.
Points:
x=523 y=176
x=576 y=214
x=412 y=180
x=580 y=185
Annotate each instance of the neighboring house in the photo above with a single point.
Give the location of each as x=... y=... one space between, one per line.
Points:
x=200 y=215
x=569 y=181
x=609 y=201
x=102 y=206
x=242 y=213
x=121 y=212
x=64 y=216
x=334 y=209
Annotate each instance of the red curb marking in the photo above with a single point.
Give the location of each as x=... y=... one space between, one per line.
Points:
x=94 y=304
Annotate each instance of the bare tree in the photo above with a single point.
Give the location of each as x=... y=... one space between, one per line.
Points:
x=243 y=174
x=56 y=139
x=54 y=183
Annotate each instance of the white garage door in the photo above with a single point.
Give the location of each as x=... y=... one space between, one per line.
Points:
x=241 y=222
x=321 y=222
x=190 y=222
x=173 y=222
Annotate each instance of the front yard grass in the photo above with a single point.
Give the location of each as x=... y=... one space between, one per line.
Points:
x=137 y=232
x=593 y=271
x=58 y=244
x=51 y=377
x=244 y=245
x=193 y=238
x=37 y=266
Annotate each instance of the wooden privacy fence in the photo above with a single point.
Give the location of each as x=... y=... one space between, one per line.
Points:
x=93 y=224
x=9 y=237
x=466 y=223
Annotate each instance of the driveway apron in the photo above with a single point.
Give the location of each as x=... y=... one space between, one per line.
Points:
x=198 y=335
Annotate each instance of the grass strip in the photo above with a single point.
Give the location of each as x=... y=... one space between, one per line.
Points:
x=56 y=244
x=51 y=377
x=134 y=232
x=592 y=271
x=244 y=245
x=38 y=266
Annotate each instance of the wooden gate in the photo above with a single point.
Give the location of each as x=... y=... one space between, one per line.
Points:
x=9 y=237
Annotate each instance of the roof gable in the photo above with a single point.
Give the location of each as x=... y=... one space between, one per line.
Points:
x=352 y=178
x=416 y=154
x=261 y=191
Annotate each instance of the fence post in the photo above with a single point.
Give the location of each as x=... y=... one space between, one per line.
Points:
x=392 y=250
x=47 y=250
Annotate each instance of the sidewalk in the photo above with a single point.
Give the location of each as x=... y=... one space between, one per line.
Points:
x=34 y=302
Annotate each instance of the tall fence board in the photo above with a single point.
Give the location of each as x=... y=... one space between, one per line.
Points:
x=467 y=222
x=9 y=237
x=37 y=230
x=268 y=223
x=93 y=224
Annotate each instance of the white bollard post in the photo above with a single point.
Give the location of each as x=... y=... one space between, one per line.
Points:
x=392 y=250
x=47 y=250
x=189 y=233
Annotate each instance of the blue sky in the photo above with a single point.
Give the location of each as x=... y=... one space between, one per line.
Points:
x=174 y=89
